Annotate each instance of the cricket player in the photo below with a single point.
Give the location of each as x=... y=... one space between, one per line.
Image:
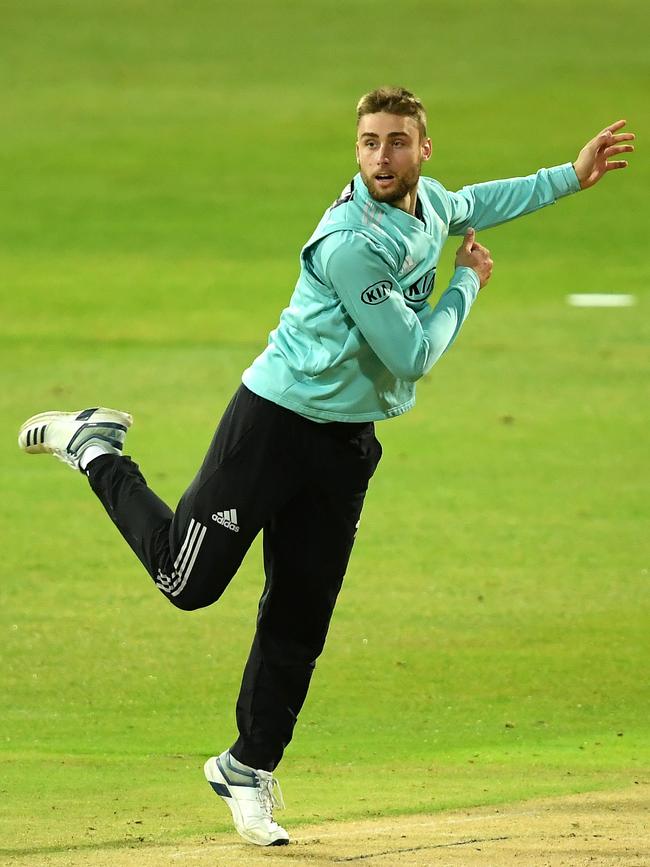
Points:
x=296 y=447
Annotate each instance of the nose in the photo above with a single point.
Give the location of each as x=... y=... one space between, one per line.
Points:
x=382 y=153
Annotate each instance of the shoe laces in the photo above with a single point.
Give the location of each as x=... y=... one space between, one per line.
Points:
x=270 y=793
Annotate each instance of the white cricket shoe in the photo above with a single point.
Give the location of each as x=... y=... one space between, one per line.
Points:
x=251 y=796
x=66 y=435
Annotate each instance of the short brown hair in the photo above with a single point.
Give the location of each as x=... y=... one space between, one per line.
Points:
x=394 y=100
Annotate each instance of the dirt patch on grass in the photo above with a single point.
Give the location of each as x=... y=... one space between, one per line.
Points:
x=602 y=828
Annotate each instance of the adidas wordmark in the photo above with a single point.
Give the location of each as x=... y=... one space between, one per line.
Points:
x=227 y=519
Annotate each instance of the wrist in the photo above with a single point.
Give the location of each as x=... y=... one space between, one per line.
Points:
x=573 y=166
x=468 y=276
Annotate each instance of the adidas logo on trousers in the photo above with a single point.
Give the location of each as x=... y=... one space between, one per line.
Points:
x=227 y=519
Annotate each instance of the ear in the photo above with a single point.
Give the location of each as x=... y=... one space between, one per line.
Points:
x=426 y=149
x=356 y=150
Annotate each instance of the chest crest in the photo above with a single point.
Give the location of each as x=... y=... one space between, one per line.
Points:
x=422 y=288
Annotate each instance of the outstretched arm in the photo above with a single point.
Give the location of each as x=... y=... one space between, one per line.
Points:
x=489 y=204
x=593 y=161
x=482 y=206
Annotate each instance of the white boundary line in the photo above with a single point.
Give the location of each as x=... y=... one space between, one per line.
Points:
x=596 y=299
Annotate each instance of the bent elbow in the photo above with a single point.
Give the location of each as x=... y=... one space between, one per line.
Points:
x=408 y=372
x=413 y=375
x=420 y=367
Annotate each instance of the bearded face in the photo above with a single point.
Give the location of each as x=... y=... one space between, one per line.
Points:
x=390 y=153
x=392 y=186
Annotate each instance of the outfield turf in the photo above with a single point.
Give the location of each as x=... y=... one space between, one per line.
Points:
x=162 y=164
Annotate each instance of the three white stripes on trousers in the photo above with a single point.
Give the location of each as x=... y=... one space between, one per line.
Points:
x=184 y=563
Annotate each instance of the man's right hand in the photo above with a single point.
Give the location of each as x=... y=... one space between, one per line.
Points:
x=475 y=256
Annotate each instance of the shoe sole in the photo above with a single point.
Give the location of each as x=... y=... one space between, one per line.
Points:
x=214 y=775
x=42 y=419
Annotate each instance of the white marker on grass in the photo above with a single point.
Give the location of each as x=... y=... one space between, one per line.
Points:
x=595 y=299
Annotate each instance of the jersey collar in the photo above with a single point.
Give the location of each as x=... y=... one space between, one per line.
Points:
x=396 y=215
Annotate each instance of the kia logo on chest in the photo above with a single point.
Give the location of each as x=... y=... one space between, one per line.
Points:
x=377 y=293
x=422 y=288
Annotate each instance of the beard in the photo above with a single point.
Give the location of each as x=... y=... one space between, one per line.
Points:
x=402 y=186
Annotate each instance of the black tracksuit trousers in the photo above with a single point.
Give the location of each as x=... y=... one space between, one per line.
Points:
x=303 y=484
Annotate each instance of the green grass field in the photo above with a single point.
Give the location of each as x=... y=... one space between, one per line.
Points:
x=162 y=164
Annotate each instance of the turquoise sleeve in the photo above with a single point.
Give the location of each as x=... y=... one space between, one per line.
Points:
x=442 y=323
x=407 y=343
x=495 y=202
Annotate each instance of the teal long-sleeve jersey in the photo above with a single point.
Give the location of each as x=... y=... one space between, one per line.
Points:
x=359 y=329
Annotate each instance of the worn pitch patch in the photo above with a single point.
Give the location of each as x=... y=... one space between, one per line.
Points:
x=608 y=829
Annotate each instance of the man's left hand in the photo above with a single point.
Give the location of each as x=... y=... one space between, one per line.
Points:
x=592 y=162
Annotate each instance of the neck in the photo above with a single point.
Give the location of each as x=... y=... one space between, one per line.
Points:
x=408 y=203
